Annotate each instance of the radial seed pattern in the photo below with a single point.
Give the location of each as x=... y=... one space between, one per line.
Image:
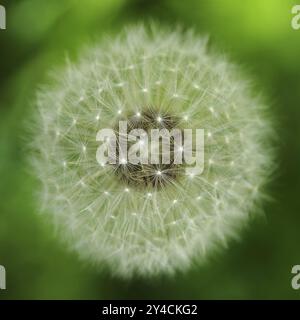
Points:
x=147 y=229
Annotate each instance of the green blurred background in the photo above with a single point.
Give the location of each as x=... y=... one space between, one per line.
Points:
x=257 y=34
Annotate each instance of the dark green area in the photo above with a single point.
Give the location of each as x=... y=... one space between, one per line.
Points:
x=258 y=35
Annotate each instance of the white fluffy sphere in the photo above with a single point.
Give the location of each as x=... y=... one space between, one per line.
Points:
x=149 y=228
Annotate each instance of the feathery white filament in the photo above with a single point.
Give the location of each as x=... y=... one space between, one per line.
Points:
x=147 y=230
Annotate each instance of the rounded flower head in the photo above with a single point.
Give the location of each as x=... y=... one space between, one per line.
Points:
x=150 y=217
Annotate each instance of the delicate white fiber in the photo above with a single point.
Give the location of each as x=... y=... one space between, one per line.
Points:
x=145 y=230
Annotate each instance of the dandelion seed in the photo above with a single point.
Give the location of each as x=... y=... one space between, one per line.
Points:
x=123 y=161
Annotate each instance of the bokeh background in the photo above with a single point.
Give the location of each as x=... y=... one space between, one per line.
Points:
x=257 y=34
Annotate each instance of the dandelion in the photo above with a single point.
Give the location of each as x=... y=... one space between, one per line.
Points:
x=150 y=219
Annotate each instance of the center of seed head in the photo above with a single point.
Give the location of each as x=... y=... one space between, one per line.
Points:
x=155 y=175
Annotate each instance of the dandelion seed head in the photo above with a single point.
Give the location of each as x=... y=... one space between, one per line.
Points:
x=146 y=219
